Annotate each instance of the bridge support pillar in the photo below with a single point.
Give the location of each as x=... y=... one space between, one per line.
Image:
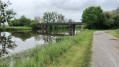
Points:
x=44 y=28
x=72 y=29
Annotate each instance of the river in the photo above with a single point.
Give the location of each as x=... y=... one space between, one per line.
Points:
x=14 y=41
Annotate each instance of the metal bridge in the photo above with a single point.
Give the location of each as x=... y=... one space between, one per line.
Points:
x=71 y=26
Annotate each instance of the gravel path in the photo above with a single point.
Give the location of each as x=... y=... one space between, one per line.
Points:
x=105 y=50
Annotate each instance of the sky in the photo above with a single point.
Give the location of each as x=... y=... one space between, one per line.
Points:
x=71 y=9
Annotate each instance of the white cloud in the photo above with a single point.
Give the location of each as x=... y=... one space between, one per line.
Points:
x=70 y=8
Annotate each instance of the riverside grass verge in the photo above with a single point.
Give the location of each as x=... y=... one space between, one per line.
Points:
x=72 y=50
x=115 y=33
x=14 y=28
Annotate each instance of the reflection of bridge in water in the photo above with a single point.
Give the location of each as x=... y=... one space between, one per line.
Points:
x=71 y=27
x=49 y=34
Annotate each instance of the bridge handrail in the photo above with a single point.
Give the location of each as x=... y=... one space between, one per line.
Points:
x=73 y=23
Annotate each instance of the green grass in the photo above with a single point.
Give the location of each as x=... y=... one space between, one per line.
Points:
x=115 y=33
x=72 y=51
x=79 y=55
x=14 y=28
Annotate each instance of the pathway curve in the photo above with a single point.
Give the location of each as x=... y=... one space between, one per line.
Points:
x=105 y=50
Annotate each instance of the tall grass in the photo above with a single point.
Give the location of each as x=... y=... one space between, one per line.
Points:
x=44 y=55
x=79 y=55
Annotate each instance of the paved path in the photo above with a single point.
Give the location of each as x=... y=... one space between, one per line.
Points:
x=105 y=50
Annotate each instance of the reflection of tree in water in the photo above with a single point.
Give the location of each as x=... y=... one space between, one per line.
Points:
x=6 y=42
x=48 y=38
x=51 y=35
x=24 y=35
x=58 y=31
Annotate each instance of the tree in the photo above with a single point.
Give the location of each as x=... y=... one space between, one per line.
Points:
x=23 y=21
x=37 y=19
x=117 y=9
x=5 y=14
x=116 y=21
x=92 y=17
x=70 y=20
x=53 y=17
x=111 y=19
x=35 y=22
x=107 y=20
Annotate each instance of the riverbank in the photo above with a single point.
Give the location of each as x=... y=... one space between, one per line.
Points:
x=14 y=28
x=70 y=51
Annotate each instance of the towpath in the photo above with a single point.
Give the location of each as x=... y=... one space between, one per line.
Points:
x=105 y=50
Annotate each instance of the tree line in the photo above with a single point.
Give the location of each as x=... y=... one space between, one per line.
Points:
x=48 y=17
x=7 y=16
x=96 y=18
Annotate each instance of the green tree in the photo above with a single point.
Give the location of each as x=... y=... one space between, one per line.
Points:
x=107 y=20
x=5 y=14
x=35 y=22
x=23 y=21
x=92 y=17
x=53 y=17
x=70 y=20
x=111 y=19
x=117 y=9
x=116 y=21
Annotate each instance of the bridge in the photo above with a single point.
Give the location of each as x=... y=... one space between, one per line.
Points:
x=71 y=25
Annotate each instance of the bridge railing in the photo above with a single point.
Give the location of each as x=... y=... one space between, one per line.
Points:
x=73 y=23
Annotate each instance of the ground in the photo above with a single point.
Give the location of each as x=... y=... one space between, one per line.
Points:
x=105 y=50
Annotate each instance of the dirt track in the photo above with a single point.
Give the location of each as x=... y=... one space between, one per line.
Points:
x=105 y=50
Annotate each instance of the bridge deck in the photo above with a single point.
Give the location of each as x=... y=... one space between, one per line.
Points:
x=73 y=23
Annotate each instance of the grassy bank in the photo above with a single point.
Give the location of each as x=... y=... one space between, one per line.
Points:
x=73 y=51
x=115 y=33
x=14 y=28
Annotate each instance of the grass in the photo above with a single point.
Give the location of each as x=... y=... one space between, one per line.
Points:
x=72 y=51
x=14 y=28
x=79 y=55
x=115 y=33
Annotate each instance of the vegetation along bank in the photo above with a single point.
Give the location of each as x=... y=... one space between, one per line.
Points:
x=70 y=51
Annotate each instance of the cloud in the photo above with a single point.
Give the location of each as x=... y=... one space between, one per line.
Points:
x=109 y=5
x=70 y=8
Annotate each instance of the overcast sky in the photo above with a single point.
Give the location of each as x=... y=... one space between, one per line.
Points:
x=70 y=8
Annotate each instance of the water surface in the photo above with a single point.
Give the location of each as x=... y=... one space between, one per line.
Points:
x=12 y=42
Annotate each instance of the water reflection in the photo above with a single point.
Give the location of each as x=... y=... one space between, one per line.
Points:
x=6 y=43
x=24 y=35
x=11 y=42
